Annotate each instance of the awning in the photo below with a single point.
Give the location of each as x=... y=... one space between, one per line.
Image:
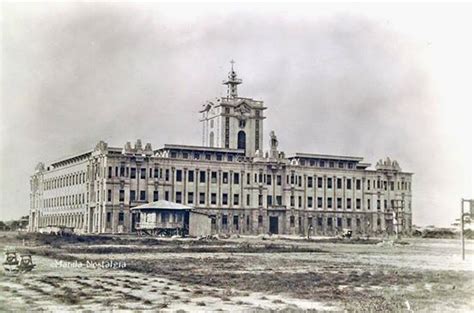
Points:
x=163 y=205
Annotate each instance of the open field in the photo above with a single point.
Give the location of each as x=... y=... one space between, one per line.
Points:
x=239 y=274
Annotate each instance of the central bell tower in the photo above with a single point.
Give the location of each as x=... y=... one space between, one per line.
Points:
x=233 y=122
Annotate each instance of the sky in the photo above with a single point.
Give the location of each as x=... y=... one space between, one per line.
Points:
x=370 y=80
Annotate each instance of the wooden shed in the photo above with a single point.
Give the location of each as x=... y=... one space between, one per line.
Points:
x=165 y=218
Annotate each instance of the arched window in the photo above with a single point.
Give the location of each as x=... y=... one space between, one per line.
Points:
x=241 y=140
x=211 y=139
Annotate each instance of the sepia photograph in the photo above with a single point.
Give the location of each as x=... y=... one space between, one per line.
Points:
x=236 y=157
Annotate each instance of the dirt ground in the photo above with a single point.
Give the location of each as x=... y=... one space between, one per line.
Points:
x=238 y=274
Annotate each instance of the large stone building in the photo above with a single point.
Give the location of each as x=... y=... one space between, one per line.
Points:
x=244 y=189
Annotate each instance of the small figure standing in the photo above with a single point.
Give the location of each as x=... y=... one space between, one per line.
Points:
x=310 y=230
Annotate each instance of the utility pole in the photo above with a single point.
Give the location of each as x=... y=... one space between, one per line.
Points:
x=463 y=214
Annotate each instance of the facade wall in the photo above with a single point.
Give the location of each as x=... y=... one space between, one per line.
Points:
x=240 y=196
x=199 y=225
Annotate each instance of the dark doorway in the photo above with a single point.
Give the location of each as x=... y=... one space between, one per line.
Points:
x=273 y=224
x=241 y=140
x=135 y=220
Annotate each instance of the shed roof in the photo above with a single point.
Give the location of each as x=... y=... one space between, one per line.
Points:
x=162 y=204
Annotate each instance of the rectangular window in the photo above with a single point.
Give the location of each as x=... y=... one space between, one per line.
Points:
x=202 y=176
x=358 y=184
x=248 y=199
x=122 y=195
x=320 y=182
x=300 y=202
x=329 y=221
x=292 y=221
x=269 y=179
x=378 y=205
x=339 y=183
x=278 y=200
x=236 y=222
x=109 y=217
x=292 y=201
x=143 y=173
x=269 y=200
x=179 y=175
x=219 y=157
x=224 y=220
x=179 y=197
x=310 y=202
x=121 y=218
x=109 y=195
x=225 y=199
x=349 y=222
x=368 y=204
x=190 y=197
x=358 y=203
x=191 y=176
x=349 y=183
x=213 y=177
x=236 y=199
x=236 y=178
x=320 y=202
x=339 y=203
x=248 y=178
x=202 y=198
x=260 y=220
x=133 y=172
x=278 y=180
x=167 y=195
x=110 y=172
x=155 y=173
x=155 y=195
x=165 y=217
x=329 y=183
x=132 y=195
x=349 y=203
x=225 y=178
x=329 y=203
x=213 y=198
x=320 y=221
x=339 y=222
x=142 y=195
x=310 y=182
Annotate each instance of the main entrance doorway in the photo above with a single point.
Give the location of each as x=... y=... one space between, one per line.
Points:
x=273 y=224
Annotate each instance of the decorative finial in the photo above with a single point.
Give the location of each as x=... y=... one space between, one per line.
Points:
x=232 y=82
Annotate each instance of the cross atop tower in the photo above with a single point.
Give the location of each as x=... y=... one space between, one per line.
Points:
x=232 y=82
